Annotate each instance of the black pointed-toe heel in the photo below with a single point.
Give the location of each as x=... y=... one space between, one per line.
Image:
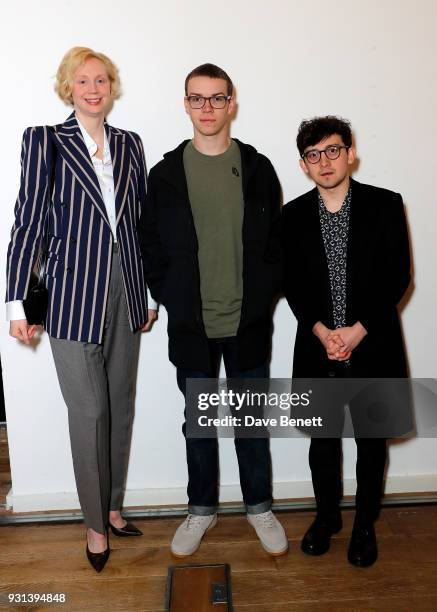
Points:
x=124 y=532
x=97 y=560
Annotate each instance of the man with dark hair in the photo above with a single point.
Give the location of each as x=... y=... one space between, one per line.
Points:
x=210 y=239
x=346 y=266
x=213 y=72
x=312 y=131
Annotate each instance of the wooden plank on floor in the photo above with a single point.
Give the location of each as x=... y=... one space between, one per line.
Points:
x=147 y=594
x=415 y=520
x=128 y=562
x=382 y=604
x=334 y=582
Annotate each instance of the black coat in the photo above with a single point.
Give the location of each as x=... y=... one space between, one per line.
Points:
x=169 y=248
x=378 y=274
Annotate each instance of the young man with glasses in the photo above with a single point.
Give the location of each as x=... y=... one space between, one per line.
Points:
x=346 y=267
x=210 y=239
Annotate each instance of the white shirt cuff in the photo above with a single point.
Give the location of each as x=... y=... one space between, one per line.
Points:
x=15 y=310
x=151 y=304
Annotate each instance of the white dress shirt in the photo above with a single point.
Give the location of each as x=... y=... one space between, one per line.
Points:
x=105 y=176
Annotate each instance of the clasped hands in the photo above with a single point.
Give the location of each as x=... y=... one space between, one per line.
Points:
x=339 y=343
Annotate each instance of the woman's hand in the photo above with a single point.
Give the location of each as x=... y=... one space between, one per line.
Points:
x=21 y=330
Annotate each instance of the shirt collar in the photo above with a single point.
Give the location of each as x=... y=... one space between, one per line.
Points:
x=345 y=205
x=92 y=146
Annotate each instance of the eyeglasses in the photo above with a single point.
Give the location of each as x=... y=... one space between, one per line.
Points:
x=331 y=152
x=215 y=101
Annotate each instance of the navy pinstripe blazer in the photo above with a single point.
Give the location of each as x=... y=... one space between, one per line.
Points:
x=80 y=245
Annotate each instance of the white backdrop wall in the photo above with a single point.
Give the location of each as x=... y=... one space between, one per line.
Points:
x=372 y=62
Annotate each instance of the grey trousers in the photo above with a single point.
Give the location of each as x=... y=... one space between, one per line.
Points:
x=98 y=382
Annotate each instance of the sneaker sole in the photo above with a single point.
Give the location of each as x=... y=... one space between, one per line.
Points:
x=276 y=553
x=272 y=553
x=188 y=554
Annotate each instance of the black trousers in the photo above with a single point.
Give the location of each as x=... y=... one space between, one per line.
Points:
x=325 y=463
x=325 y=459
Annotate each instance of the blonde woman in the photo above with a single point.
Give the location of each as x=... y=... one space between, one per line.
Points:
x=90 y=179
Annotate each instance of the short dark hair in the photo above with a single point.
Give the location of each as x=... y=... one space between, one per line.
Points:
x=213 y=72
x=312 y=131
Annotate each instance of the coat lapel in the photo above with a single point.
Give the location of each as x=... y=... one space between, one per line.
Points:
x=358 y=241
x=71 y=146
x=316 y=249
x=121 y=165
x=358 y=218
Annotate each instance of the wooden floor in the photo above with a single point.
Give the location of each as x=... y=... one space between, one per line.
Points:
x=51 y=559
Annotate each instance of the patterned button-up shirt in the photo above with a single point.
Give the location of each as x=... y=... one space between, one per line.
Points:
x=335 y=232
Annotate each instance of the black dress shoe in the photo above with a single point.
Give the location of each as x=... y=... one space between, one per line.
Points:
x=317 y=539
x=97 y=560
x=126 y=531
x=363 y=550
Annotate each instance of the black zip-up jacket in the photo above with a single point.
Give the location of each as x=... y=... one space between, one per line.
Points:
x=169 y=249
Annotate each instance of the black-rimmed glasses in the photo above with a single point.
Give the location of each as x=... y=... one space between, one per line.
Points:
x=332 y=152
x=218 y=101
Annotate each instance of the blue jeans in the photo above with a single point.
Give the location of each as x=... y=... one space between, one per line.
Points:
x=253 y=454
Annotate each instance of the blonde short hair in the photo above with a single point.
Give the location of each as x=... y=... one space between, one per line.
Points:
x=71 y=61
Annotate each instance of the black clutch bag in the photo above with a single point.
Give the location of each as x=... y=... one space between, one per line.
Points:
x=36 y=302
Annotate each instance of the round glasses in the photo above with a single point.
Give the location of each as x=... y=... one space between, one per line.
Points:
x=332 y=152
x=215 y=101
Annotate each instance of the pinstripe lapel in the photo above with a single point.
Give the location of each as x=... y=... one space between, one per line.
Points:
x=72 y=147
x=121 y=167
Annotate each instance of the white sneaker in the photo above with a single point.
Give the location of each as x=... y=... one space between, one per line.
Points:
x=270 y=532
x=189 y=534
